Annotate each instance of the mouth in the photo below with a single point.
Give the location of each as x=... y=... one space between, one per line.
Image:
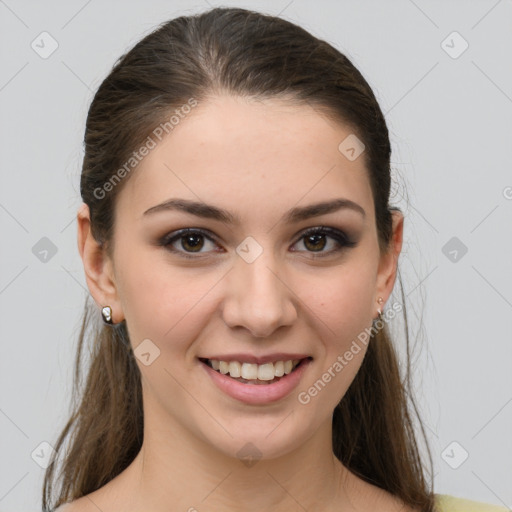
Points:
x=254 y=374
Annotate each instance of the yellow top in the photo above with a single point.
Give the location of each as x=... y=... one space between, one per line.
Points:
x=448 y=503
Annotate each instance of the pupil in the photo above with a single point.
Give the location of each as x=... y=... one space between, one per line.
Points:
x=315 y=238
x=188 y=238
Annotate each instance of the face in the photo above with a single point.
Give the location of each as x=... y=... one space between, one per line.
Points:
x=251 y=283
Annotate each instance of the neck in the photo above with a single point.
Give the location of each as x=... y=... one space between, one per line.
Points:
x=175 y=470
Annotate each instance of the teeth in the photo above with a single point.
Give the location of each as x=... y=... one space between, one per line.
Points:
x=250 y=371
x=266 y=371
x=279 y=369
x=234 y=369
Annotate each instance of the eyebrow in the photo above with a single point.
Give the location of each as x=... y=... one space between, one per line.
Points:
x=296 y=214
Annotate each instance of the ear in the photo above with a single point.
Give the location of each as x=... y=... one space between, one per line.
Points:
x=98 y=267
x=388 y=263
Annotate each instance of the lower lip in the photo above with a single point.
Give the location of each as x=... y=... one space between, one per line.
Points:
x=258 y=393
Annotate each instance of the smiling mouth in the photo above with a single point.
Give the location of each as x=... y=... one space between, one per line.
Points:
x=270 y=372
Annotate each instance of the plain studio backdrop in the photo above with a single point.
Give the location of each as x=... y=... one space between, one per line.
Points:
x=442 y=75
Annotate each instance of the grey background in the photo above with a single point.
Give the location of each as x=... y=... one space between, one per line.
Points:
x=450 y=125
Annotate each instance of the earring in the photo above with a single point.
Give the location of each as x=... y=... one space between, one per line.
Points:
x=380 y=301
x=106 y=313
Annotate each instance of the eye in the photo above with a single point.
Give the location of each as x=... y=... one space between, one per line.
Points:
x=192 y=240
x=189 y=239
x=315 y=240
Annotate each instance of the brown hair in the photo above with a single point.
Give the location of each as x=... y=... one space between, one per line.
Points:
x=244 y=53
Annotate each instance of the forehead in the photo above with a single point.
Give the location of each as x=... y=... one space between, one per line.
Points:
x=246 y=154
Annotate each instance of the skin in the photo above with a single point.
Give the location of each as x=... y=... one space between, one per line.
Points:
x=256 y=159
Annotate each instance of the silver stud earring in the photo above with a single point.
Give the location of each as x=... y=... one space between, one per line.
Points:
x=380 y=301
x=106 y=313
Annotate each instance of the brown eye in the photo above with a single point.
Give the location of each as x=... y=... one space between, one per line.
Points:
x=316 y=239
x=193 y=241
x=315 y=242
x=187 y=242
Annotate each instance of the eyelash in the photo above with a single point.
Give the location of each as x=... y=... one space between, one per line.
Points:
x=342 y=240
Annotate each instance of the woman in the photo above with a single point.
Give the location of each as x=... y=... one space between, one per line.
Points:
x=236 y=237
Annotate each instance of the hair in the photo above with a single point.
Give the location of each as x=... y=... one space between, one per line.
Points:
x=247 y=54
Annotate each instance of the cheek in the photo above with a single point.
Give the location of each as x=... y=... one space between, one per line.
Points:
x=342 y=310
x=163 y=303
x=342 y=314
x=343 y=301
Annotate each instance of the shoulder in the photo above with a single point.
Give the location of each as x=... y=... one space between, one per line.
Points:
x=66 y=507
x=74 y=506
x=448 y=503
x=83 y=504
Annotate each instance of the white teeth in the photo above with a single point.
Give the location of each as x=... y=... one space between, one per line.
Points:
x=266 y=371
x=279 y=369
x=235 y=369
x=250 y=371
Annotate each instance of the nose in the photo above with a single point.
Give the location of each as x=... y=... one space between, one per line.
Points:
x=258 y=298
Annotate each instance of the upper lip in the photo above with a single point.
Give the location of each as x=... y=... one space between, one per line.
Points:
x=250 y=358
